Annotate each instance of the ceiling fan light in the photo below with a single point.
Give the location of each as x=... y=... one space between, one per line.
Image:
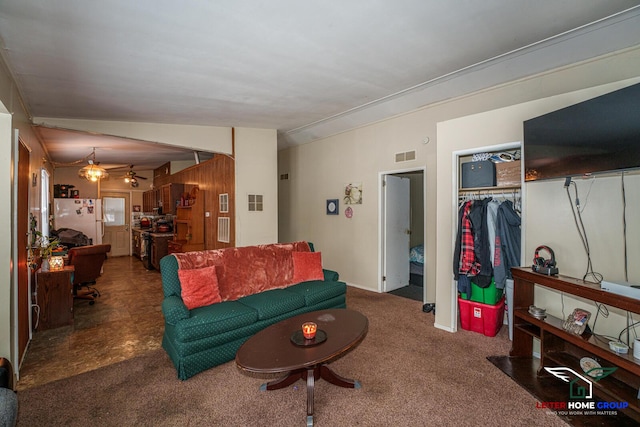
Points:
x=93 y=172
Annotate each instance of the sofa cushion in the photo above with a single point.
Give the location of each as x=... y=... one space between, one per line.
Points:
x=199 y=287
x=273 y=303
x=307 y=266
x=215 y=319
x=317 y=291
x=271 y=267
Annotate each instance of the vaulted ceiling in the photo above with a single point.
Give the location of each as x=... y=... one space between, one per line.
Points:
x=307 y=69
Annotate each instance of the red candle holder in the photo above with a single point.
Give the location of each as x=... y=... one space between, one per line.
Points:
x=309 y=330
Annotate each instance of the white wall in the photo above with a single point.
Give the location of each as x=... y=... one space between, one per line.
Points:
x=319 y=170
x=256 y=173
x=7 y=287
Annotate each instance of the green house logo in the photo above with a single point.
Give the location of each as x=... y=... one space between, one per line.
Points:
x=580 y=386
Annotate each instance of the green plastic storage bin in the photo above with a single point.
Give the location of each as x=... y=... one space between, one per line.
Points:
x=489 y=295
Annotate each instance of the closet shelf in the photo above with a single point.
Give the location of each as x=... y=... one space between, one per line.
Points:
x=489 y=189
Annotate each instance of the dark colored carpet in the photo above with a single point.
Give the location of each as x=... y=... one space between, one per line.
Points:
x=412 y=374
x=411 y=291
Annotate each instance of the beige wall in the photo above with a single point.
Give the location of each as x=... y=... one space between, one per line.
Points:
x=547 y=218
x=320 y=169
x=256 y=173
x=13 y=117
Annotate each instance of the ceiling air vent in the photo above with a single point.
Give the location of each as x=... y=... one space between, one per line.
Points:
x=406 y=156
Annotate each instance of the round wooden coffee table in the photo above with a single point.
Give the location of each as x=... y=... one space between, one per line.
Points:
x=273 y=351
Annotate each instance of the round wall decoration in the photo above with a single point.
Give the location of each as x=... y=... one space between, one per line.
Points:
x=348 y=212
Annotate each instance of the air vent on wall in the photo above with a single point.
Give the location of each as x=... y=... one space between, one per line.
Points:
x=406 y=156
x=224 y=229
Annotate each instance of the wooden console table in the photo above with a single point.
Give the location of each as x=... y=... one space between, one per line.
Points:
x=561 y=348
x=55 y=298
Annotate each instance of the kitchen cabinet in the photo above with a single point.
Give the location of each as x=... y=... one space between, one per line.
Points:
x=188 y=224
x=150 y=199
x=54 y=295
x=164 y=197
x=159 y=247
x=169 y=195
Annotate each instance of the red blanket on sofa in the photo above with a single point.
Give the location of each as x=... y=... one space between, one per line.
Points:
x=246 y=270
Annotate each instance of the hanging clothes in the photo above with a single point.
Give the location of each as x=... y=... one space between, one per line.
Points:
x=492 y=214
x=507 y=246
x=468 y=264
x=464 y=262
x=481 y=247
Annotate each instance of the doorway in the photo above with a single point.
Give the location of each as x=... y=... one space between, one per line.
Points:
x=402 y=233
x=116 y=222
x=24 y=284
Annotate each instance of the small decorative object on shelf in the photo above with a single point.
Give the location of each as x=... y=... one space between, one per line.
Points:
x=576 y=322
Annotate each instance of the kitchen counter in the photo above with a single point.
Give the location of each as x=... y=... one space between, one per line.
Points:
x=158 y=234
x=151 y=232
x=157 y=246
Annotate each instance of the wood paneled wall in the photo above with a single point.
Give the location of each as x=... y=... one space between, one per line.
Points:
x=214 y=177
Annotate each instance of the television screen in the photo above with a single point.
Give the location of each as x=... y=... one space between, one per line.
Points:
x=598 y=135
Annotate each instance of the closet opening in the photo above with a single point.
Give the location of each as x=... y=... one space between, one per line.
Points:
x=487 y=228
x=402 y=233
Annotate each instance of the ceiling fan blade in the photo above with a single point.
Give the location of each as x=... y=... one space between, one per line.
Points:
x=141 y=177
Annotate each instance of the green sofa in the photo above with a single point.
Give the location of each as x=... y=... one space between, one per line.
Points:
x=208 y=336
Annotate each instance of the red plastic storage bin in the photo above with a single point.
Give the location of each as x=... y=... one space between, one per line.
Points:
x=482 y=318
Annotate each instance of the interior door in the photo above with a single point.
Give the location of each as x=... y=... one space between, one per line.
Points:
x=115 y=212
x=24 y=295
x=397 y=232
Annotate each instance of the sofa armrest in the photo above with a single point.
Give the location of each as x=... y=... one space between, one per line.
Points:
x=174 y=310
x=330 y=275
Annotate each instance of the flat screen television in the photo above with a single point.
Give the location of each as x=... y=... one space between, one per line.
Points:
x=599 y=135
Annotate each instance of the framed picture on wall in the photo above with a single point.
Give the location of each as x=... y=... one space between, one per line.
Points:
x=137 y=208
x=332 y=206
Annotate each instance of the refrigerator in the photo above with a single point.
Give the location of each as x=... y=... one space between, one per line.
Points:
x=83 y=215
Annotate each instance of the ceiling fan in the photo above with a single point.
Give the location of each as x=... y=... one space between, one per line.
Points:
x=132 y=177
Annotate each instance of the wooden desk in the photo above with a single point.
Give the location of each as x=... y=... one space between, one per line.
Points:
x=55 y=298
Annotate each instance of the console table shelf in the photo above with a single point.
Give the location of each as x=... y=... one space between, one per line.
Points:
x=561 y=348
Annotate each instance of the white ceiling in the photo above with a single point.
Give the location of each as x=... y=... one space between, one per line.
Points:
x=308 y=69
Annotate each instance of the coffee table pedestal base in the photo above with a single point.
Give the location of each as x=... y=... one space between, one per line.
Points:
x=310 y=375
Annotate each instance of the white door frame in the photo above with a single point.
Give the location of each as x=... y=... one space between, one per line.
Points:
x=455 y=159
x=381 y=219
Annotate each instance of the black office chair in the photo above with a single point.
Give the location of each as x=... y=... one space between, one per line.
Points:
x=87 y=261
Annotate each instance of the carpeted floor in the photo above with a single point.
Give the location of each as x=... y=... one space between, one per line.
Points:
x=412 y=374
